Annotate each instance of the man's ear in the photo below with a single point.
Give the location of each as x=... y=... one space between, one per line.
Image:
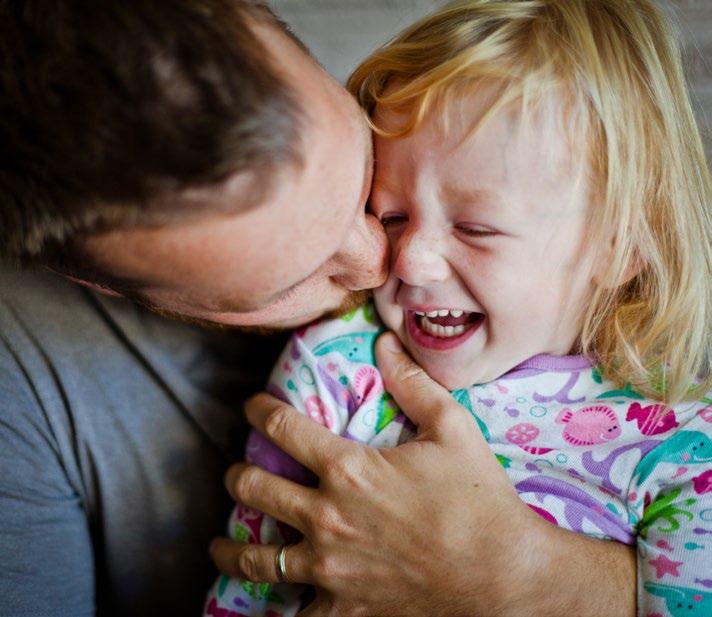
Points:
x=93 y=286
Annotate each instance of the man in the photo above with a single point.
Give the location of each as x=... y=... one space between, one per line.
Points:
x=191 y=156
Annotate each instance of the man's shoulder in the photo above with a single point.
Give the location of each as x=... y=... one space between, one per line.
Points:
x=103 y=406
x=37 y=310
x=45 y=318
x=27 y=283
x=46 y=324
x=51 y=329
x=63 y=356
x=90 y=362
x=40 y=302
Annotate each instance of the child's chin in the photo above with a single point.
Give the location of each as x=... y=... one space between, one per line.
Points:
x=457 y=378
x=450 y=379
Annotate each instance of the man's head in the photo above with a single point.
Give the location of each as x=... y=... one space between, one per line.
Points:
x=190 y=155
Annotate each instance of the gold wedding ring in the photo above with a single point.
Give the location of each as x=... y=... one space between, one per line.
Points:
x=280 y=563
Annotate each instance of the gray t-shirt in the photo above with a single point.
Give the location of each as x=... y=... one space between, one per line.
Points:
x=116 y=427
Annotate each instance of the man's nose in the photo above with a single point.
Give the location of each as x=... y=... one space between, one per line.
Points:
x=363 y=259
x=418 y=259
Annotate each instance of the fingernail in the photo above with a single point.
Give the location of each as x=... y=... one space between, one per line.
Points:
x=392 y=344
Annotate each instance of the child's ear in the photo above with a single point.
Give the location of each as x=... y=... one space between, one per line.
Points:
x=602 y=274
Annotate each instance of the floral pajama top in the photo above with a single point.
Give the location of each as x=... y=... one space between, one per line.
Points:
x=583 y=454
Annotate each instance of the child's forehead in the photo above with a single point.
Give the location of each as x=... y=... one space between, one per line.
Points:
x=472 y=156
x=468 y=110
x=463 y=108
x=548 y=127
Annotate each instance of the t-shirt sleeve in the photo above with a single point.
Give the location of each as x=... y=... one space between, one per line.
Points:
x=46 y=559
x=674 y=546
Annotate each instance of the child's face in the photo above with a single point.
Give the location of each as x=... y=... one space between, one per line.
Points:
x=492 y=229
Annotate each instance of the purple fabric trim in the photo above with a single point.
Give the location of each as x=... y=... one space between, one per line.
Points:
x=264 y=453
x=548 y=363
x=261 y=451
x=579 y=506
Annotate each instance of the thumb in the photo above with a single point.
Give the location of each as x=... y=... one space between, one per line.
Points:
x=420 y=398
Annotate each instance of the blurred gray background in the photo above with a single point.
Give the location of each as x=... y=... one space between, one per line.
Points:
x=340 y=33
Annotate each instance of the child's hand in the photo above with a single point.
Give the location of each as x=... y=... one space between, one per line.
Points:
x=432 y=527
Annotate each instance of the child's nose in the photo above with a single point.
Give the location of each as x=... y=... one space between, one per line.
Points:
x=418 y=259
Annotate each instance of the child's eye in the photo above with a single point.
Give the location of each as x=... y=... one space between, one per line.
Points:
x=476 y=231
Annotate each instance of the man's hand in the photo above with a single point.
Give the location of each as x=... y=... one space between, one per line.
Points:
x=432 y=527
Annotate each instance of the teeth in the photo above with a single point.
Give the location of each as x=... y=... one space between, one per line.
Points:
x=442 y=313
x=441 y=331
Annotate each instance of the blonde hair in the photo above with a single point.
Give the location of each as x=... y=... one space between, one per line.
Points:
x=619 y=66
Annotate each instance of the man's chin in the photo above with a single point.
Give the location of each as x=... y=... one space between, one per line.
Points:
x=351 y=302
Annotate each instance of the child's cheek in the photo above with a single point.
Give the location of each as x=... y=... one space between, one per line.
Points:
x=388 y=309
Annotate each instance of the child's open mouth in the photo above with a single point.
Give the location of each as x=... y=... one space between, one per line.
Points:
x=442 y=328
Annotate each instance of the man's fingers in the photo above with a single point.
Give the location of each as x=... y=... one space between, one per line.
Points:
x=278 y=497
x=428 y=404
x=306 y=441
x=257 y=562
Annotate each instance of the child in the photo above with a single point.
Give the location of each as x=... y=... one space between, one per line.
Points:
x=544 y=188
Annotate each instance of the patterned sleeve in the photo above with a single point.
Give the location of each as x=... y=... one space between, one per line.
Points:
x=674 y=481
x=314 y=374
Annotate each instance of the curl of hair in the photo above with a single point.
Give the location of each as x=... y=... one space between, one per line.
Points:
x=618 y=65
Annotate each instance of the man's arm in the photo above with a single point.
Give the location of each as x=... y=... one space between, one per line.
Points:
x=433 y=527
x=46 y=563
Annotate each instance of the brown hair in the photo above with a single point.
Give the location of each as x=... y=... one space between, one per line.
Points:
x=108 y=106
